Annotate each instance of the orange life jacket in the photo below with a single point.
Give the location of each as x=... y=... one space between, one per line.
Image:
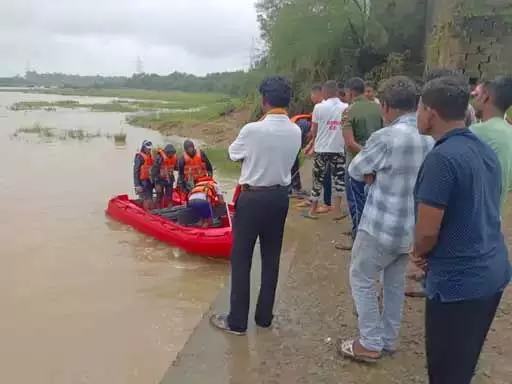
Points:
x=296 y=118
x=168 y=165
x=206 y=186
x=194 y=167
x=145 y=168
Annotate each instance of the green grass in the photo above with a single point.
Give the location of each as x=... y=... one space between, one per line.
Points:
x=138 y=94
x=37 y=129
x=219 y=157
x=29 y=105
x=203 y=113
x=159 y=108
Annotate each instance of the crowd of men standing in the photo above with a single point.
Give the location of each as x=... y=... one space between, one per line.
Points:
x=423 y=182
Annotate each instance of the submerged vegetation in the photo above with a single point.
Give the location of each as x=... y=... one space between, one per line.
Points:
x=150 y=109
x=51 y=133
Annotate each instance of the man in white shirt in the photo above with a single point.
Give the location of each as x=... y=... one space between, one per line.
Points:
x=328 y=148
x=267 y=149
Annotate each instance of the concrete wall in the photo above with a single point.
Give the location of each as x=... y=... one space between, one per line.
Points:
x=469 y=35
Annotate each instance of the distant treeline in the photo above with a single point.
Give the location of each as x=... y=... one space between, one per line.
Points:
x=238 y=83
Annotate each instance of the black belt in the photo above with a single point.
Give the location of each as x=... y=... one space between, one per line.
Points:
x=248 y=188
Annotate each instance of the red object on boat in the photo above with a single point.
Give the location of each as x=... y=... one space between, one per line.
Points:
x=209 y=242
x=236 y=194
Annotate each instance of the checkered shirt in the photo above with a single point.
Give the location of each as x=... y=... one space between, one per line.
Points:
x=394 y=154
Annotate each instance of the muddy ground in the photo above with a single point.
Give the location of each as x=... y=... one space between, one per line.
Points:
x=217 y=133
x=314 y=309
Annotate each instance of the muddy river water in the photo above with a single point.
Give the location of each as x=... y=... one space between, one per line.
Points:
x=85 y=299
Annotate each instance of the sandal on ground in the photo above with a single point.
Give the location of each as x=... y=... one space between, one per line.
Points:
x=323 y=209
x=346 y=350
x=307 y=215
x=339 y=218
x=220 y=321
x=343 y=246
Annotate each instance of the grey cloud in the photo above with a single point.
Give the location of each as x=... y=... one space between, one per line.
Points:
x=200 y=34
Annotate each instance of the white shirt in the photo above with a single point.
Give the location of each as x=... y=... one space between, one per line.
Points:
x=329 y=137
x=268 y=149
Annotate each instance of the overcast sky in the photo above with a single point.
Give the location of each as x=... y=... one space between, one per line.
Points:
x=106 y=36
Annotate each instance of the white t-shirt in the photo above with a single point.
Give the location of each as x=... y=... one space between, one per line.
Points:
x=268 y=149
x=329 y=137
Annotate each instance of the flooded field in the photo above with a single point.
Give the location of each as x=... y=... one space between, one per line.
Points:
x=85 y=299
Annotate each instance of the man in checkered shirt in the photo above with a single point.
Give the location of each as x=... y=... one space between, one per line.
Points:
x=388 y=164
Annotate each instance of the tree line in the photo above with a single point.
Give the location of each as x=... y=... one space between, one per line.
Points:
x=230 y=83
x=307 y=40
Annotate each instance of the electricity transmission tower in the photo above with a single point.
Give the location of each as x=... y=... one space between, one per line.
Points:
x=139 y=66
x=252 y=54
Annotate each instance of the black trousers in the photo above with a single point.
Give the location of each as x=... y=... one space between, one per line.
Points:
x=455 y=333
x=259 y=214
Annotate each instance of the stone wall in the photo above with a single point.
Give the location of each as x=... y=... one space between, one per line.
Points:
x=473 y=35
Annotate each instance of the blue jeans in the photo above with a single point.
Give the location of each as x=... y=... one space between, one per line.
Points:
x=147 y=190
x=356 y=199
x=201 y=208
x=328 y=188
x=369 y=262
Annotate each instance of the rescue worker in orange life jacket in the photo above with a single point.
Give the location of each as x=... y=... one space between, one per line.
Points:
x=192 y=165
x=162 y=173
x=142 y=174
x=202 y=198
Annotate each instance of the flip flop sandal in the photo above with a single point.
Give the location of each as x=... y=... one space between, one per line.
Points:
x=346 y=350
x=307 y=215
x=322 y=210
x=343 y=247
x=339 y=218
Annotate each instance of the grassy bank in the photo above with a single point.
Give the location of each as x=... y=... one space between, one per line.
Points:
x=169 y=119
x=138 y=94
x=219 y=158
x=160 y=111
x=123 y=106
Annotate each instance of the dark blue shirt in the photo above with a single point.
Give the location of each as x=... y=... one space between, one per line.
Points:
x=305 y=127
x=462 y=174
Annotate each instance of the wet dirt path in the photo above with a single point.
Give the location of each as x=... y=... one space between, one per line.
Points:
x=314 y=310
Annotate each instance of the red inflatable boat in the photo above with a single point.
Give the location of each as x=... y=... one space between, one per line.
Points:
x=163 y=225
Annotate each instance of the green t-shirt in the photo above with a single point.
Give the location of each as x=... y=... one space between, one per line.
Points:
x=497 y=133
x=363 y=117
